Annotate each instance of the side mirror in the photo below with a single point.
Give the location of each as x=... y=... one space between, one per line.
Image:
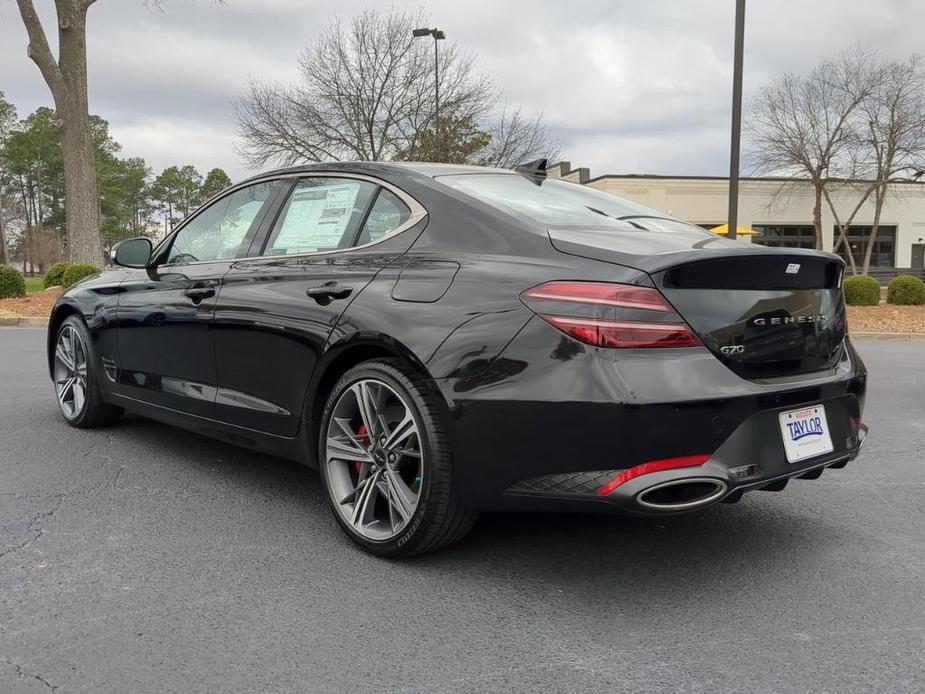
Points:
x=133 y=253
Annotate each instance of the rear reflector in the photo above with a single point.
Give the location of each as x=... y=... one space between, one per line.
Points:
x=606 y=314
x=654 y=466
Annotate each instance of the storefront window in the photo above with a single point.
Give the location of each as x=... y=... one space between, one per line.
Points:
x=785 y=235
x=883 y=253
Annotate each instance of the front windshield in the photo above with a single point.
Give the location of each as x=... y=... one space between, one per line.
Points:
x=555 y=203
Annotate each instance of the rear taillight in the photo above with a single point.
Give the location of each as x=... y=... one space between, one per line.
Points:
x=605 y=314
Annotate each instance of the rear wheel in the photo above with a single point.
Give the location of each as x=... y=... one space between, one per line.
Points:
x=76 y=373
x=386 y=462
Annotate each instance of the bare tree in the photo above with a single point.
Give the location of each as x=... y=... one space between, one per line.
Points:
x=801 y=125
x=886 y=144
x=66 y=78
x=517 y=138
x=366 y=91
x=860 y=191
x=895 y=132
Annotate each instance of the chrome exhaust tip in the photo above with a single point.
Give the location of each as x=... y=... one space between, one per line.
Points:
x=682 y=495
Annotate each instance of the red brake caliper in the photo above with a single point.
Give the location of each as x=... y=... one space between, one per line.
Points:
x=363 y=439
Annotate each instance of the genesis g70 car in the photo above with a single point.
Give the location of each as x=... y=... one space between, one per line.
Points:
x=439 y=340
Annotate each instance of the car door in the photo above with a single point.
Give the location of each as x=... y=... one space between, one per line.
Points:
x=276 y=310
x=164 y=315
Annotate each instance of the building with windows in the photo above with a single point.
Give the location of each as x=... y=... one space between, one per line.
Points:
x=781 y=211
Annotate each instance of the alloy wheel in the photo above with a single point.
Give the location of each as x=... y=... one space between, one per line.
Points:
x=373 y=459
x=70 y=368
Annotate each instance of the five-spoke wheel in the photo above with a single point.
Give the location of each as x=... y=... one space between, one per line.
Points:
x=70 y=372
x=75 y=367
x=386 y=461
x=373 y=459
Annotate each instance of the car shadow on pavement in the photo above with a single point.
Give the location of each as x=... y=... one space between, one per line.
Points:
x=725 y=545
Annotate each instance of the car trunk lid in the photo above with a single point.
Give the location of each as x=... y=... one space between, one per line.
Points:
x=763 y=316
x=764 y=312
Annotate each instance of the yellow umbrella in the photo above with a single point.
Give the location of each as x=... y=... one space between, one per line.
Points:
x=723 y=230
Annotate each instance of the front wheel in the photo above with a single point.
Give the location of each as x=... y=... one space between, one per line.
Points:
x=75 y=369
x=386 y=462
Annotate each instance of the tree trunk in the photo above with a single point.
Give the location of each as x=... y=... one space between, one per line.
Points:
x=80 y=193
x=81 y=207
x=817 y=215
x=879 y=197
x=27 y=251
x=4 y=260
x=843 y=241
x=67 y=80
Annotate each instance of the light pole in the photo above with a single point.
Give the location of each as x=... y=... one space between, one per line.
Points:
x=438 y=36
x=736 y=121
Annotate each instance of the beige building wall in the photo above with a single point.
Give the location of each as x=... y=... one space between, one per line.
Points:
x=704 y=200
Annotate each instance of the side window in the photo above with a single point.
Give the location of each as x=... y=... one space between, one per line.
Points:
x=322 y=214
x=388 y=213
x=218 y=232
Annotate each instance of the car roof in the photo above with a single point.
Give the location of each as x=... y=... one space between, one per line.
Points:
x=426 y=169
x=433 y=169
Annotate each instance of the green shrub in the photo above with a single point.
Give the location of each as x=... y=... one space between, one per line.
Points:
x=55 y=275
x=11 y=282
x=861 y=291
x=906 y=290
x=77 y=272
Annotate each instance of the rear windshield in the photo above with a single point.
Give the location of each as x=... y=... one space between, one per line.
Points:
x=555 y=203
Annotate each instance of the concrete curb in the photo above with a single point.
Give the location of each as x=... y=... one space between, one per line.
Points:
x=887 y=336
x=12 y=320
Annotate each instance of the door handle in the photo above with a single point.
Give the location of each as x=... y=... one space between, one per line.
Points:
x=324 y=293
x=197 y=294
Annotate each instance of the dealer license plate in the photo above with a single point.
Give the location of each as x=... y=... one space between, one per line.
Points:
x=805 y=433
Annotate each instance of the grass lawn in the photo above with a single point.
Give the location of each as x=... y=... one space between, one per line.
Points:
x=34 y=284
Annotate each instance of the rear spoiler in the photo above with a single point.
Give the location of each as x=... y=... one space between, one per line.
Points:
x=534 y=170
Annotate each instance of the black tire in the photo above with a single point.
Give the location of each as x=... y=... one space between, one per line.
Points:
x=94 y=412
x=439 y=519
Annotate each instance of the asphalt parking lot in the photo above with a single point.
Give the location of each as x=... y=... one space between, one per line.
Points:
x=146 y=559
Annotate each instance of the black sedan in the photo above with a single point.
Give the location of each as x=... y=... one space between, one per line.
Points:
x=440 y=340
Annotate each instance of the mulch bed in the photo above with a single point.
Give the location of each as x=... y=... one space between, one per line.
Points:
x=36 y=305
x=886 y=318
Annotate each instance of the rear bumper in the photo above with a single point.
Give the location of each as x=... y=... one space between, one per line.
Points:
x=747 y=461
x=545 y=429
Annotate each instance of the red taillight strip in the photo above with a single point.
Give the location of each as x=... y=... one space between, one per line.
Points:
x=643 y=298
x=653 y=466
x=619 y=323
x=604 y=333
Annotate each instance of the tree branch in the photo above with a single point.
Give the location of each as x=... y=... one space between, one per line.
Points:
x=38 y=49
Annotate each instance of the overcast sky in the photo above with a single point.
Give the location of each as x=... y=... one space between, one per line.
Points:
x=631 y=86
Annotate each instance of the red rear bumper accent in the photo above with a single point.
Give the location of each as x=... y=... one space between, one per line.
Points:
x=653 y=466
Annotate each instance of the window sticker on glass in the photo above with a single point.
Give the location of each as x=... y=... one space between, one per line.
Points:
x=317 y=216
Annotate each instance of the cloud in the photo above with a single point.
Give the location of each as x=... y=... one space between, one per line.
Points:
x=170 y=141
x=629 y=86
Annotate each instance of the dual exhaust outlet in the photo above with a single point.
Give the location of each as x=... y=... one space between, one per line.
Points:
x=687 y=493
x=682 y=494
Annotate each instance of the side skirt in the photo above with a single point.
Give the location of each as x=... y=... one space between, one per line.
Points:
x=281 y=446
